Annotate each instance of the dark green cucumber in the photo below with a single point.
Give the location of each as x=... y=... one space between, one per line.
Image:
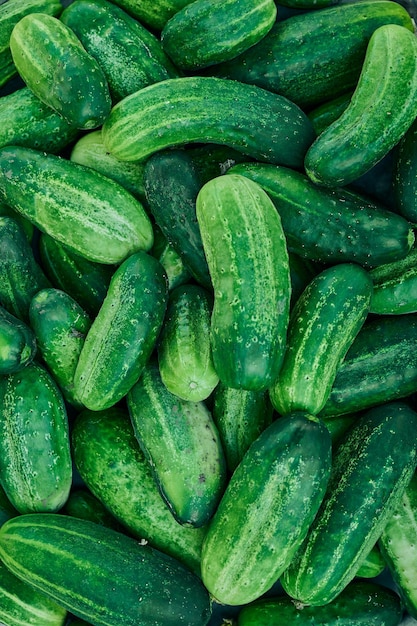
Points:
x=395 y=286
x=172 y=183
x=130 y=56
x=21 y=276
x=206 y=109
x=404 y=180
x=152 y=14
x=123 y=334
x=182 y=444
x=177 y=273
x=293 y=59
x=112 y=465
x=323 y=324
x=339 y=425
x=84 y=504
x=360 y=604
x=184 y=349
x=302 y=272
x=35 y=459
x=248 y=261
x=28 y=227
x=18 y=346
x=86 y=211
x=373 y=564
x=380 y=366
x=370 y=471
x=207 y=32
x=7 y=510
x=266 y=510
x=60 y=326
x=325 y=114
x=101 y=575
x=381 y=110
x=331 y=225
x=36 y=42
x=211 y=160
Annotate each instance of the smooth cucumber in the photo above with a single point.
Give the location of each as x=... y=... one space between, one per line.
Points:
x=18 y=346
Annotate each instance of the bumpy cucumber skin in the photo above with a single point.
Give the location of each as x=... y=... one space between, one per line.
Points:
x=36 y=42
x=101 y=575
x=380 y=366
x=404 y=181
x=84 y=210
x=248 y=261
x=36 y=469
x=293 y=60
x=126 y=486
x=190 y=109
x=395 y=286
x=360 y=604
x=130 y=56
x=182 y=444
x=331 y=225
x=362 y=136
x=123 y=334
x=323 y=324
x=266 y=510
x=18 y=346
x=370 y=470
x=207 y=32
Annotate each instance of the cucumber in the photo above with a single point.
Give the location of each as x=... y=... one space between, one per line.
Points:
x=152 y=14
x=35 y=459
x=323 y=324
x=7 y=509
x=373 y=565
x=190 y=109
x=247 y=256
x=82 y=503
x=266 y=510
x=370 y=471
x=184 y=350
x=181 y=442
x=101 y=575
x=130 y=56
x=360 y=604
x=112 y=465
x=28 y=227
x=207 y=32
x=177 y=273
x=294 y=58
x=404 y=182
x=123 y=334
x=382 y=108
x=328 y=112
x=395 y=286
x=36 y=42
x=92 y=215
x=331 y=225
x=302 y=272
x=18 y=346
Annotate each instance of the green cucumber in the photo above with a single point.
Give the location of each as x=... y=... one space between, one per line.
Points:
x=207 y=32
x=82 y=503
x=182 y=444
x=294 y=58
x=184 y=349
x=60 y=326
x=123 y=334
x=101 y=575
x=152 y=14
x=247 y=255
x=112 y=465
x=266 y=510
x=373 y=564
x=370 y=471
x=36 y=43
x=177 y=273
x=130 y=56
x=395 y=286
x=404 y=180
x=331 y=225
x=302 y=272
x=381 y=110
x=328 y=112
x=28 y=227
x=339 y=425
x=360 y=604
x=18 y=346
x=7 y=510
x=379 y=366
x=86 y=211
x=191 y=109
x=323 y=324
x=35 y=459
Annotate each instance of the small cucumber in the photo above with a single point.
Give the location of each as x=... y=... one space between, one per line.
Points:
x=28 y=227
x=18 y=346
x=373 y=564
x=82 y=503
x=177 y=273
x=404 y=180
x=328 y=112
x=152 y=14
x=395 y=286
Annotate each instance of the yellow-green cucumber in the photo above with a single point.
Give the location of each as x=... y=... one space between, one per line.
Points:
x=395 y=286
x=189 y=109
x=123 y=334
x=370 y=471
x=18 y=345
x=381 y=110
x=35 y=458
x=247 y=255
x=86 y=211
x=100 y=575
x=323 y=324
x=181 y=442
x=266 y=510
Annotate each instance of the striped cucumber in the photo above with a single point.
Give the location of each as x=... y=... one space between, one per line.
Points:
x=18 y=346
x=248 y=261
x=190 y=109
x=370 y=471
x=266 y=510
x=395 y=286
x=323 y=324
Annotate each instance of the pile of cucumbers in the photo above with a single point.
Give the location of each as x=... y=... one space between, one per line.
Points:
x=208 y=312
